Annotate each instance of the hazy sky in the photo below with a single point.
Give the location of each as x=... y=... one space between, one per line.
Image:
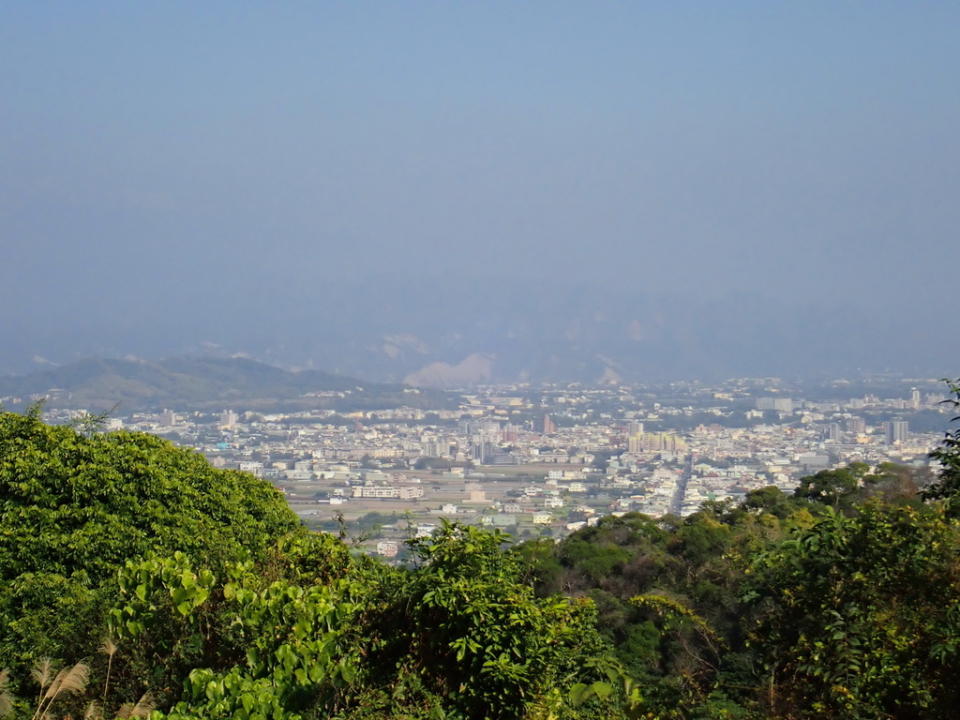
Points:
x=160 y=157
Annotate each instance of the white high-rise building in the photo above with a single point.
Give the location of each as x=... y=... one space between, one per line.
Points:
x=915 y=398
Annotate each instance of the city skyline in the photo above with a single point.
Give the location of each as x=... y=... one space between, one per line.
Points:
x=545 y=462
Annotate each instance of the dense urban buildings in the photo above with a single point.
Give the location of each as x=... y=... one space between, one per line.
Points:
x=544 y=461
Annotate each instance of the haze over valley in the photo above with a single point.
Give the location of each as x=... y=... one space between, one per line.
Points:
x=451 y=195
x=459 y=331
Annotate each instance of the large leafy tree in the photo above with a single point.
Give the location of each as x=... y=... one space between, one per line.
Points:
x=465 y=626
x=75 y=506
x=837 y=488
x=858 y=616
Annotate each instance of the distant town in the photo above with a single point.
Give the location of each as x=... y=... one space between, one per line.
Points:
x=545 y=461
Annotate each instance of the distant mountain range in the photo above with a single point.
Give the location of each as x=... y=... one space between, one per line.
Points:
x=204 y=382
x=456 y=331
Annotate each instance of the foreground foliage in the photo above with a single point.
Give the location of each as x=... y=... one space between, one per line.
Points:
x=153 y=585
x=74 y=506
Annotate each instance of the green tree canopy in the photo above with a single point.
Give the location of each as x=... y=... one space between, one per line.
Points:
x=74 y=507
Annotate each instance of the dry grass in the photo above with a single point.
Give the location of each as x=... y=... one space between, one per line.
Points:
x=42 y=672
x=145 y=705
x=108 y=648
x=69 y=680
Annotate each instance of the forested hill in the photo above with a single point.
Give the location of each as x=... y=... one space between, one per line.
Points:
x=136 y=581
x=205 y=382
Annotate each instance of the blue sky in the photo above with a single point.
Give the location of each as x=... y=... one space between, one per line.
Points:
x=197 y=151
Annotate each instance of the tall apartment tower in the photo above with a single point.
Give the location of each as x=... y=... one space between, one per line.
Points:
x=856 y=425
x=228 y=420
x=896 y=431
x=549 y=427
x=914 y=398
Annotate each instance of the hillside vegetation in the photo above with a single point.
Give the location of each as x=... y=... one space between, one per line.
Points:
x=205 y=383
x=138 y=581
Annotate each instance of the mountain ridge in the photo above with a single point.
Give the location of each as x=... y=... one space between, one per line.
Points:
x=199 y=382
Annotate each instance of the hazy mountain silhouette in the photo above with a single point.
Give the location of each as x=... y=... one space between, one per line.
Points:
x=202 y=382
x=389 y=329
